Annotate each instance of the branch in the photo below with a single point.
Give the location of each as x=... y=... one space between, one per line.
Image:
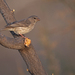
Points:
x=29 y=55
x=6 y=12
x=12 y=43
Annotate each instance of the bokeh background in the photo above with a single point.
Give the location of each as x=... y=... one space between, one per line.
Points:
x=53 y=37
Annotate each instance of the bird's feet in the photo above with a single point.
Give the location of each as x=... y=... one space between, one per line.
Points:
x=27 y=41
x=22 y=36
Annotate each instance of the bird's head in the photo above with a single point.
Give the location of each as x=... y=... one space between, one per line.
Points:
x=34 y=18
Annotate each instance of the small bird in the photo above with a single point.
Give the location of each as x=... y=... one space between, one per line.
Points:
x=23 y=26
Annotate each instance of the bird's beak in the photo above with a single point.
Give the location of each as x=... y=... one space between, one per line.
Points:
x=38 y=19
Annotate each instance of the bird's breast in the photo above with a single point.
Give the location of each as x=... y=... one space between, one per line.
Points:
x=23 y=30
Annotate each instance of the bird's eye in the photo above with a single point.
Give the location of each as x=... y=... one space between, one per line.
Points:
x=34 y=18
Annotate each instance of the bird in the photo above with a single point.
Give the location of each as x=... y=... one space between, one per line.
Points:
x=23 y=26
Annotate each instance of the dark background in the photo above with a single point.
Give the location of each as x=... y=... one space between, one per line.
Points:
x=53 y=37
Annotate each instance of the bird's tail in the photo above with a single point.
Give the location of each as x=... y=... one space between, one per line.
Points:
x=3 y=29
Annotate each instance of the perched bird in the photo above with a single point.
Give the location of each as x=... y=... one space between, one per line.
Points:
x=23 y=26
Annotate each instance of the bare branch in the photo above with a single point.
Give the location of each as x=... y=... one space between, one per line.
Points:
x=7 y=14
x=12 y=43
x=33 y=63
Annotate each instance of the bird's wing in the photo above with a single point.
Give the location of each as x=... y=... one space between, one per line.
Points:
x=22 y=23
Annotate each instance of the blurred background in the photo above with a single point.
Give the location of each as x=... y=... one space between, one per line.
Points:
x=53 y=37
